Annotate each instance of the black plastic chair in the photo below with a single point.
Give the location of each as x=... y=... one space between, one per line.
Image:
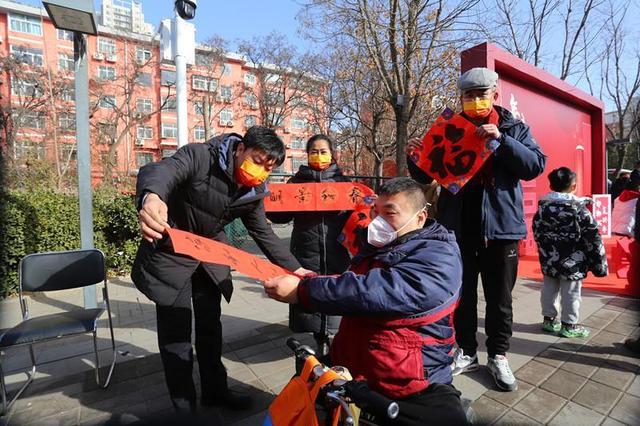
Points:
x=53 y=271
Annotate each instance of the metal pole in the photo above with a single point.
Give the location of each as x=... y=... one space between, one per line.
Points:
x=84 y=153
x=181 y=81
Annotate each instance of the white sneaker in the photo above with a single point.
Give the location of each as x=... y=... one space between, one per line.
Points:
x=499 y=368
x=463 y=363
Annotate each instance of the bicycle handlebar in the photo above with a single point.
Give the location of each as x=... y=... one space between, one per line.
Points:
x=357 y=390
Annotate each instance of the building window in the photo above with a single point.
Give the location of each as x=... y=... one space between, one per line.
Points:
x=168 y=152
x=226 y=92
x=144 y=105
x=226 y=117
x=296 y=162
x=106 y=73
x=25 y=149
x=275 y=119
x=25 y=24
x=169 y=130
x=297 y=143
x=202 y=59
x=145 y=132
x=144 y=79
x=66 y=121
x=29 y=89
x=167 y=78
x=65 y=62
x=251 y=100
x=68 y=94
x=249 y=79
x=169 y=103
x=143 y=158
x=143 y=55
x=106 y=46
x=107 y=130
x=198 y=107
x=27 y=55
x=65 y=35
x=32 y=120
x=107 y=101
x=274 y=98
x=298 y=123
x=198 y=133
x=68 y=152
x=199 y=82
x=250 y=120
x=226 y=69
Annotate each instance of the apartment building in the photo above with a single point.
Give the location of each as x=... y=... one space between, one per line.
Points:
x=133 y=115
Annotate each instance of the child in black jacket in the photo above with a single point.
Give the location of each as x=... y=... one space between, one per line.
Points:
x=569 y=245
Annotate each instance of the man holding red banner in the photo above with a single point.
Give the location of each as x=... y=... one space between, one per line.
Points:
x=200 y=189
x=488 y=219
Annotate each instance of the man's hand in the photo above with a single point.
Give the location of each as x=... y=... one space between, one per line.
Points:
x=301 y=272
x=153 y=217
x=488 y=131
x=283 y=288
x=412 y=145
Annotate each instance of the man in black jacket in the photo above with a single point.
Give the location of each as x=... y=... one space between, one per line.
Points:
x=488 y=219
x=200 y=189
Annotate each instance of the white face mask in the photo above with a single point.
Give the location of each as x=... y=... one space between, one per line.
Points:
x=380 y=233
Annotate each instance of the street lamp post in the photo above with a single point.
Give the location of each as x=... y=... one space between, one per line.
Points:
x=78 y=16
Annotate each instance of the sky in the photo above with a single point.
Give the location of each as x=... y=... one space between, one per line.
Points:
x=232 y=20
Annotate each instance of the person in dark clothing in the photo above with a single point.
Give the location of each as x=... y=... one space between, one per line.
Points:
x=314 y=239
x=488 y=219
x=200 y=189
x=397 y=301
x=618 y=186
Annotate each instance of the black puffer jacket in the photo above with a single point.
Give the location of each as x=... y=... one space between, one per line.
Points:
x=199 y=187
x=314 y=240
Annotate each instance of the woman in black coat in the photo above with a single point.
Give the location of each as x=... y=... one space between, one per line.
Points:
x=314 y=240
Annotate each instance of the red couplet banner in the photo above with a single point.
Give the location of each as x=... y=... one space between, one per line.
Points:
x=293 y=197
x=206 y=250
x=451 y=152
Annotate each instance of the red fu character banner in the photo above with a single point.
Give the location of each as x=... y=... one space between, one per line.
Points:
x=206 y=250
x=293 y=197
x=452 y=152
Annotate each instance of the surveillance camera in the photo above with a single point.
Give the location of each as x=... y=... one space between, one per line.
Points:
x=186 y=8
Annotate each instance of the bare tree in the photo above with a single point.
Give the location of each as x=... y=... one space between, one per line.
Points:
x=119 y=116
x=208 y=96
x=29 y=110
x=531 y=31
x=621 y=84
x=286 y=81
x=404 y=39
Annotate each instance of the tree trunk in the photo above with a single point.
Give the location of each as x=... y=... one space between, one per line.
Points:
x=377 y=170
x=206 y=107
x=401 y=140
x=622 y=156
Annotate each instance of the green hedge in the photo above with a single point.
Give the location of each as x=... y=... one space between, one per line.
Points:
x=44 y=220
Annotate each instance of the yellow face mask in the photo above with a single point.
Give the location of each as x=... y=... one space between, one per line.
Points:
x=477 y=108
x=319 y=161
x=250 y=173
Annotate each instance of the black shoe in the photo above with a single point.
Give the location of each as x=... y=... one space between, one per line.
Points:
x=231 y=399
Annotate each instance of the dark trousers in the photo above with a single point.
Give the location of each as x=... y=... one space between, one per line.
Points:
x=174 y=340
x=437 y=405
x=497 y=263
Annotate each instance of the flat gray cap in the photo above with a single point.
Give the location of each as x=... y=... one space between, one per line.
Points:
x=478 y=78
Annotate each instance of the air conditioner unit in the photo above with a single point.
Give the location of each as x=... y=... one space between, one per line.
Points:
x=98 y=56
x=286 y=130
x=222 y=123
x=229 y=123
x=139 y=142
x=112 y=58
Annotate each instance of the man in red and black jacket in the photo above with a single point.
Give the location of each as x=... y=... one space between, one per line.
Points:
x=397 y=302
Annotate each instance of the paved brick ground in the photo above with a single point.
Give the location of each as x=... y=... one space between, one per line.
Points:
x=561 y=381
